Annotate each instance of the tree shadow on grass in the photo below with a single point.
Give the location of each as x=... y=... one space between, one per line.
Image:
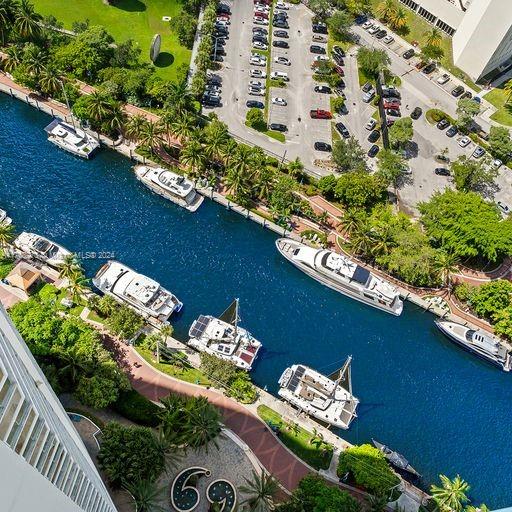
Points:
x=164 y=59
x=129 y=5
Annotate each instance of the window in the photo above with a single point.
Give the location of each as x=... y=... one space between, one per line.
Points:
x=445 y=27
x=26 y=429
x=427 y=15
x=56 y=459
x=84 y=491
x=410 y=3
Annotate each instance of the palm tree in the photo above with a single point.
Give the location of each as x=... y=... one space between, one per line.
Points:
x=350 y=221
x=78 y=284
x=27 y=20
x=14 y=57
x=361 y=239
x=508 y=89
x=203 y=423
x=451 y=496
x=69 y=266
x=193 y=156
x=74 y=365
x=434 y=37
x=134 y=127
x=382 y=240
x=295 y=167
x=8 y=10
x=179 y=97
x=6 y=235
x=261 y=491
x=216 y=139
x=117 y=117
x=166 y=123
x=264 y=181
x=166 y=332
x=146 y=495
x=378 y=503
x=229 y=151
x=50 y=79
x=386 y=9
x=183 y=126
x=98 y=106
x=35 y=59
x=150 y=136
x=237 y=182
x=446 y=264
x=398 y=19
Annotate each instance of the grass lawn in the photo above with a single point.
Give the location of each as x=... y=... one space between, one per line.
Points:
x=188 y=375
x=298 y=442
x=126 y=19
x=279 y=136
x=498 y=97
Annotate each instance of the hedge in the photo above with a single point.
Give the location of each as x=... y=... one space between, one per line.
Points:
x=137 y=408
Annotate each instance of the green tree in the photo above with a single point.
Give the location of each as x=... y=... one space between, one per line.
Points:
x=401 y=131
x=489 y=299
x=358 y=189
x=386 y=9
x=320 y=7
x=283 y=201
x=398 y=19
x=372 y=61
x=255 y=119
x=446 y=265
x=124 y=322
x=193 y=156
x=50 y=80
x=326 y=185
x=391 y=165
x=431 y=52
x=216 y=138
x=203 y=424
x=27 y=20
x=151 y=136
x=261 y=491
x=433 y=37
x=452 y=495
x=134 y=127
x=185 y=25
x=500 y=143
x=6 y=235
x=472 y=175
x=97 y=391
x=467 y=109
x=339 y=24
x=507 y=88
x=7 y=19
x=348 y=154
x=13 y=56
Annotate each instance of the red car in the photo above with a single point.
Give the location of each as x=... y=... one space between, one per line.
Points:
x=391 y=104
x=339 y=70
x=259 y=14
x=267 y=2
x=320 y=114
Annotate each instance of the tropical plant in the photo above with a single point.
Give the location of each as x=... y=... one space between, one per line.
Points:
x=27 y=23
x=446 y=265
x=203 y=424
x=184 y=126
x=6 y=234
x=50 y=80
x=70 y=264
x=146 y=495
x=261 y=491
x=433 y=37
x=98 y=106
x=78 y=284
x=13 y=58
x=350 y=221
x=398 y=19
x=117 y=117
x=151 y=136
x=35 y=59
x=216 y=138
x=193 y=156
x=507 y=88
x=134 y=127
x=451 y=495
x=7 y=18
x=386 y=10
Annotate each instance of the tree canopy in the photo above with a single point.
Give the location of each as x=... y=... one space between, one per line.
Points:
x=467 y=109
x=360 y=189
x=372 y=61
x=348 y=155
x=472 y=175
x=500 y=142
x=401 y=131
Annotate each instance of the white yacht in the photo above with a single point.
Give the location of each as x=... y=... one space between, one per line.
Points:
x=224 y=338
x=170 y=185
x=330 y=401
x=4 y=219
x=478 y=342
x=71 y=139
x=343 y=275
x=144 y=295
x=41 y=248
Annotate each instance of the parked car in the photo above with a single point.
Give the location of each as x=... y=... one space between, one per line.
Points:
x=260 y=21
x=464 y=141
x=280 y=33
x=388 y=39
x=323 y=89
x=457 y=91
x=374 y=136
x=442 y=158
x=368 y=96
x=280 y=24
x=317 y=38
x=467 y=95
x=371 y=124
x=314 y=48
x=452 y=131
x=478 y=152
x=416 y=113
x=279 y=43
x=408 y=54
x=367 y=87
x=420 y=65
x=372 y=152
x=393 y=112
x=338 y=59
x=220 y=41
x=260 y=37
x=373 y=30
x=279 y=101
x=391 y=103
x=259 y=45
x=390 y=92
x=223 y=8
x=320 y=114
x=443 y=124
x=256 y=91
x=367 y=25
x=221 y=24
x=256 y=83
x=214 y=79
x=278 y=127
x=443 y=79
x=381 y=34
x=224 y=19
x=442 y=171
x=319 y=28
x=282 y=60
x=496 y=164
x=254 y=104
x=207 y=101
x=323 y=146
x=429 y=68
x=261 y=30
x=320 y=58
x=219 y=50
x=503 y=208
x=342 y=130
x=338 y=50
x=279 y=75
x=282 y=5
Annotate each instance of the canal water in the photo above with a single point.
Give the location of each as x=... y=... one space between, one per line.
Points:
x=446 y=411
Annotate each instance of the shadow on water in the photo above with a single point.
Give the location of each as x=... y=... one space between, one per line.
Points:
x=164 y=59
x=129 y=5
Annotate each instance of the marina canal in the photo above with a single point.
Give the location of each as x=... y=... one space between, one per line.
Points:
x=445 y=410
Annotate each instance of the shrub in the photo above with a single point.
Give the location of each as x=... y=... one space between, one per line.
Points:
x=137 y=408
x=256 y=120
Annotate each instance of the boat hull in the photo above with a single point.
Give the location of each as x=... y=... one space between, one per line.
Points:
x=352 y=294
x=85 y=156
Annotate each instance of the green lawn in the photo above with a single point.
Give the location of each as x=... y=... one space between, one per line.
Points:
x=126 y=19
x=498 y=97
x=297 y=442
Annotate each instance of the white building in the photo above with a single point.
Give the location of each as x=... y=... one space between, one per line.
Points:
x=44 y=465
x=481 y=30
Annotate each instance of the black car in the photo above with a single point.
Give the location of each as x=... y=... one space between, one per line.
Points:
x=408 y=54
x=416 y=113
x=443 y=124
x=338 y=59
x=222 y=31
x=259 y=38
x=390 y=92
x=467 y=95
x=322 y=146
x=260 y=29
x=362 y=18
x=278 y=127
x=442 y=171
x=254 y=104
x=223 y=9
x=457 y=91
x=380 y=34
x=393 y=112
x=373 y=151
x=429 y=68
x=214 y=80
x=219 y=50
x=280 y=24
x=280 y=44
x=341 y=85
x=324 y=89
x=367 y=87
x=280 y=33
x=319 y=29
x=342 y=129
x=209 y=101
x=452 y=131
x=374 y=136
x=314 y=48
x=281 y=16
x=220 y=41
x=215 y=57
x=337 y=50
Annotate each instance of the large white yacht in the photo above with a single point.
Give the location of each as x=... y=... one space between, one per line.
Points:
x=4 y=219
x=71 y=139
x=330 y=401
x=142 y=294
x=41 y=248
x=478 y=342
x=343 y=275
x=224 y=338
x=170 y=185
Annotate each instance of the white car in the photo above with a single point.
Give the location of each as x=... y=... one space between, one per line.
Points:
x=279 y=101
x=374 y=29
x=256 y=83
x=444 y=78
x=388 y=39
x=223 y=20
x=368 y=25
x=259 y=45
x=496 y=164
x=262 y=10
x=260 y=21
x=323 y=58
x=221 y=23
x=258 y=73
x=282 y=60
x=256 y=91
x=279 y=75
x=371 y=124
x=464 y=141
x=282 y=5
x=258 y=60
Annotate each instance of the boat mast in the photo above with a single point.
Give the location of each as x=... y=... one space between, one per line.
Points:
x=236 y=315
x=346 y=369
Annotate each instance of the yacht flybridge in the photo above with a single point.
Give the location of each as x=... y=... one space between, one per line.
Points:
x=170 y=185
x=41 y=248
x=330 y=401
x=343 y=275
x=224 y=338
x=4 y=219
x=478 y=342
x=142 y=294
x=71 y=139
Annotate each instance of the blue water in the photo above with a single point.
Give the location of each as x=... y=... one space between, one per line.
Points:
x=446 y=411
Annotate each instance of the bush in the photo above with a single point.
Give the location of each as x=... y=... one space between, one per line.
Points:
x=137 y=408
x=124 y=322
x=256 y=120
x=185 y=26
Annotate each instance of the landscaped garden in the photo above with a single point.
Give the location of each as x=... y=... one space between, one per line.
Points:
x=501 y=100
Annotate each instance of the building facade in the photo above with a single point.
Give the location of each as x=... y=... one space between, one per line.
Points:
x=43 y=462
x=481 y=31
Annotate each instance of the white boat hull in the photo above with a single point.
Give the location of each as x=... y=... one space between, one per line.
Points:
x=80 y=154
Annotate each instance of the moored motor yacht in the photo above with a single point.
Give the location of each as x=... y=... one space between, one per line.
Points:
x=4 y=219
x=478 y=342
x=224 y=338
x=41 y=248
x=172 y=186
x=396 y=459
x=343 y=275
x=71 y=138
x=330 y=401
x=144 y=295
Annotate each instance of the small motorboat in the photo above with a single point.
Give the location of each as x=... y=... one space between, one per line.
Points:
x=396 y=459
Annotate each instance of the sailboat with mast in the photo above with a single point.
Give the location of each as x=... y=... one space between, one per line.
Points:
x=328 y=399
x=224 y=338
